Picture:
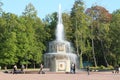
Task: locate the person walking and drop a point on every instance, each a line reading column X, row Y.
column 41, row 69
column 22, row 68
column 117, row 69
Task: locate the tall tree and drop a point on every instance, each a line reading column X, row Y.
column 30, row 11
column 29, row 16
column 36, row 35
column 100, row 21
column 67, row 26
column 8, row 39
column 50, row 22
column 115, row 40
column 80, row 28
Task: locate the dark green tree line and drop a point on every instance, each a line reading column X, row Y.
column 22, row 38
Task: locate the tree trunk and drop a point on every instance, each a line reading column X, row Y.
column 81, row 60
column 77, row 41
column 34, row 65
column 5, row 67
column 26, row 66
column 104, row 54
column 93, row 52
column 77, row 47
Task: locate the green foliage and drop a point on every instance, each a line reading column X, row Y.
column 101, row 68
column 115, row 40
column 50, row 22
column 67, row 26
column 24, row 39
column 100, row 26
column 30, row 11
column 8, row 39
column 80, row 28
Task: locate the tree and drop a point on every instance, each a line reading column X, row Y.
column 67, row 26
column 36, row 35
column 8, row 39
column 30, row 11
column 29, row 17
column 80, row 28
column 50, row 22
column 115, row 40
column 100, row 21
column 42, row 36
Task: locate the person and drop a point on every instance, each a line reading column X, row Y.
column 14, row 69
column 113, row 71
column 41, row 68
column 0, row 67
column 88, row 70
column 22, row 68
column 73, row 68
column 117, row 69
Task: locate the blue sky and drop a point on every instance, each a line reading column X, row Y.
column 45, row 7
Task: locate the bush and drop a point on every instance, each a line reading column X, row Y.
column 102, row 67
column 110, row 67
column 94, row 68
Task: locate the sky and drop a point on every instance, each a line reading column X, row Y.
column 45, row 7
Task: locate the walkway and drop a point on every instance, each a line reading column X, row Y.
column 53, row 76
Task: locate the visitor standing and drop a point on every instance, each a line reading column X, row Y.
column 0, row 67
column 73, row 68
column 119, row 69
column 14, row 69
column 88, row 70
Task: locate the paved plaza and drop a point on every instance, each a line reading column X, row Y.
column 61, row 76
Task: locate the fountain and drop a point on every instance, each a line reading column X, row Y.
column 60, row 54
